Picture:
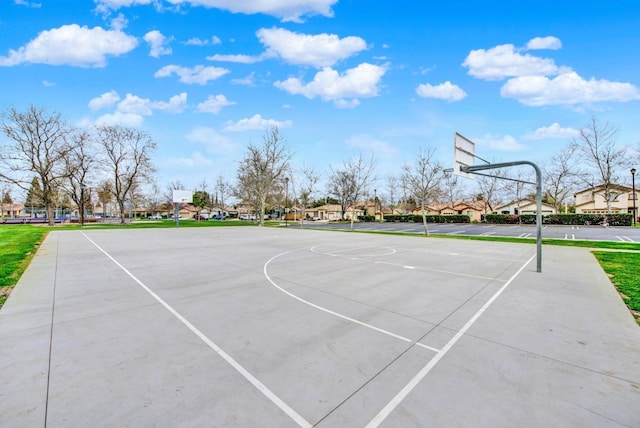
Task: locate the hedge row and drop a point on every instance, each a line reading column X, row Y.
column 568, row 219
column 410, row 218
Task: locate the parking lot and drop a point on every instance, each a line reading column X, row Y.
column 591, row 233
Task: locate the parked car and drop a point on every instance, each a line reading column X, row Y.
column 200, row 217
column 155, row 217
column 220, row 217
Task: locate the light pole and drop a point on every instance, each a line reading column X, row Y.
column 286, row 200
column 375, row 203
column 82, row 187
column 633, row 187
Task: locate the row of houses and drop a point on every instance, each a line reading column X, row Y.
column 588, row 201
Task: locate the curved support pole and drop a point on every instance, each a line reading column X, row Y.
column 474, row 168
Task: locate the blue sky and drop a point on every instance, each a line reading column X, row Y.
column 338, row 77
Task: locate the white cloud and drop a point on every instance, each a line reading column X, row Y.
column 256, row 122
column 194, row 41
column 211, row 140
column 176, row 104
column 565, row 89
column 119, row 23
column 445, row 91
column 504, row 143
column 135, row 105
column 552, row 131
column 198, row 74
column 242, row 59
column 158, row 43
column 213, row 104
column 105, row 100
column 246, row 81
column 321, row 50
column 197, row 160
column 28, row 4
column 47, row 84
column 132, row 109
column 548, row 42
column 120, row 118
column 367, row 143
column 360, row 82
column 106, row 5
column 504, row 61
column 72, row 45
column 286, row 10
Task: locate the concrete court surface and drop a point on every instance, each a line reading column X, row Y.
column 264, row 327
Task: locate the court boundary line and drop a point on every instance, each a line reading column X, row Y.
column 406, row 390
column 334, row 313
column 232, row 362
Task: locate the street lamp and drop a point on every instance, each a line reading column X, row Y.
column 82, row 187
column 286, row 200
column 375, row 203
column 633, row 187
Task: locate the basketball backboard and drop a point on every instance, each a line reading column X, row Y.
column 182, row 196
column 464, row 151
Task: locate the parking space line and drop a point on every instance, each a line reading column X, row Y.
column 524, row 235
column 566, row 236
column 233, row 363
column 625, row 239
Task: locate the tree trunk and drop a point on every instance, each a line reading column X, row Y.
column 424, row 221
column 122, row 212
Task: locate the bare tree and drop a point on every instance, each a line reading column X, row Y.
column 560, row 176
column 341, row 186
column 490, row 189
column 424, row 181
column 263, row 169
column 36, row 145
column 451, row 189
column 393, row 186
column 309, row 181
column 223, row 190
column 79, row 164
column 598, row 149
column 127, row 157
column 351, row 182
column 518, row 186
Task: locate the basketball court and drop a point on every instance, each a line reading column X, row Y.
column 265, row 327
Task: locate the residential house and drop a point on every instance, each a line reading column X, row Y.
column 12, row 210
column 524, row 206
column 474, row 209
column 592, row 200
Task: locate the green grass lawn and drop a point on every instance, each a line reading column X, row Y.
column 18, row 245
column 624, row 271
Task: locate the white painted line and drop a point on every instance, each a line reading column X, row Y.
column 569, row 236
column 386, row 411
column 233, row 363
column 487, row 233
column 625, row 239
column 406, row 267
column 313, row 250
column 524, row 235
column 329, row 311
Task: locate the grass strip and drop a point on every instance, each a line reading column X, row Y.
column 623, row 270
column 18, row 245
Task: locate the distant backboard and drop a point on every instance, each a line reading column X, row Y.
column 464, row 151
column 182, row 196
